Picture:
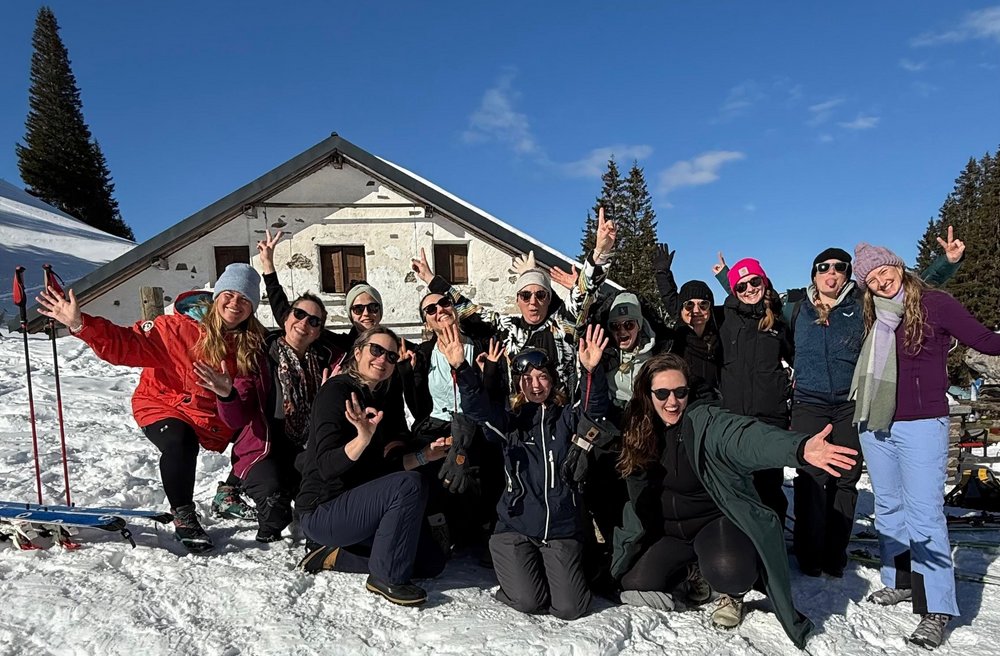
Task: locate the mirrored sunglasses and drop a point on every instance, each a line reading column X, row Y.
column 839, row 267
column 701, row 305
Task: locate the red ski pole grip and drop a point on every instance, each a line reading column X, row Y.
column 52, row 279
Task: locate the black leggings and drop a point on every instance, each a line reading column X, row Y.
column 726, row 556
column 179, row 448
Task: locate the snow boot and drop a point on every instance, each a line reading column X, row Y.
column 930, row 632
column 728, row 614
column 318, row 558
column 403, row 594
column 230, row 504
column 698, row 589
column 890, row 596
column 188, row 530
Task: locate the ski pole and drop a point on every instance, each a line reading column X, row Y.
column 21, row 300
column 52, row 281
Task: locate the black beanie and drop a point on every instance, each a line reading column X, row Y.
column 832, row 254
column 695, row 289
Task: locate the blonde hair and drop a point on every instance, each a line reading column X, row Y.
column 914, row 315
column 216, row 342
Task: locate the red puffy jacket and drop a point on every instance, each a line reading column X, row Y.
column 168, row 387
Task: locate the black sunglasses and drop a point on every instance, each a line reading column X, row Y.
column 756, row 281
column 431, row 308
column 525, row 361
column 701, row 305
column 301, row 314
column 839, row 267
column 540, row 295
column 378, row 351
column 359, row 309
column 680, row 393
column 628, row 324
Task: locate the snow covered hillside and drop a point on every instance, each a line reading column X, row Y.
column 247, row 598
column 33, row 233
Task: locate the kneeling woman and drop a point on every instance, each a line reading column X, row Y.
column 537, row 547
column 358, row 500
column 692, row 501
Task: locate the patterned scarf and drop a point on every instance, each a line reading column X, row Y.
column 874, row 383
column 299, row 380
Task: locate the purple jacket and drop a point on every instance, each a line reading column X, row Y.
column 244, row 409
column 923, row 377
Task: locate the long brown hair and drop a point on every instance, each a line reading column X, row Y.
column 216, row 342
column 914, row 316
column 351, row 361
column 639, row 447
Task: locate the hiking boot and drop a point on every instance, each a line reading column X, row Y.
column 649, row 599
column 930, row 632
column 728, row 614
column 697, row 588
column 230, row 504
column 318, row 558
column 890, row 596
column 404, row 594
column 267, row 535
column 188, row 530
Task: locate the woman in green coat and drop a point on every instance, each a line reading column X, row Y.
column 692, row 501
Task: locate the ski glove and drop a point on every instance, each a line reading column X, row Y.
column 592, row 437
column 457, row 473
column 663, row 257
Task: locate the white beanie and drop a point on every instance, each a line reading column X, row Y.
column 533, row 277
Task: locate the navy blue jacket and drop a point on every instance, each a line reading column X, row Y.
column 825, row 355
column 537, row 502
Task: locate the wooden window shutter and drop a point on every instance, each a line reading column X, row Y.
column 354, row 257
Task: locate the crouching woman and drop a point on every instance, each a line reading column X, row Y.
column 537, row 547
column 359, row 504
column 692, row 501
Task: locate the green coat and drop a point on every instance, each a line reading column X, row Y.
column 727, row 449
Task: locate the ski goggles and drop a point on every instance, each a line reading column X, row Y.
column 680, row 393
column 373, row 308
column 754, row 282
column 311, row 319
column 839, row 267
column 431, row 309
column 525, row 361
column 701, row 305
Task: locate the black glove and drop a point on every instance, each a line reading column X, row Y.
column 663, row 257
column 592, row 437
column 457, row 473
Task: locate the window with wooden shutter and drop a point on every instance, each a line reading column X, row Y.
column 226, row 255
column 451, row 262
column 341, row 267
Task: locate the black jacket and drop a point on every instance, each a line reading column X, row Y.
column 327, row 472
column 537, row 502
column 703, row 355
column 753, row 381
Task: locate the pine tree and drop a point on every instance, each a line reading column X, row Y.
column 612, row 199
column 638, row 243
column 60, row 162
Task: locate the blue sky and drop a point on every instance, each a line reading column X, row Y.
column 770, row 130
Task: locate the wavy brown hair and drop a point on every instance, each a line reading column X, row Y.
column 216, row 342
column 914, row 316
column 639, row 447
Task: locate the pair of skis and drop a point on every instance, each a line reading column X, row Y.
column 51, row 280
column 22, row 522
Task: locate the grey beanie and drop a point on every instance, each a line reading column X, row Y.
column 625, row 306
column 241, row 278
column 358, row 290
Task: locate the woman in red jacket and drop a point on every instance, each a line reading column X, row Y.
column 174, row 410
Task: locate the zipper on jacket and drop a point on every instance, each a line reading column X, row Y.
column 510, row 481
column 920, row 398
column 552, row 470
column 517, row 474
column 545, row 480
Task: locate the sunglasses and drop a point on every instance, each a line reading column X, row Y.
column 527, row 360
column 754, row 282
column 680, row 393
column 839, row 267
column 359, row 309
column 377, row 352
column 539, row 295
column 628, row 324
column 301, row 314
column 431, row 308
column 701, row 305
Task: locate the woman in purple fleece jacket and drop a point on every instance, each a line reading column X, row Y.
column 902, row 415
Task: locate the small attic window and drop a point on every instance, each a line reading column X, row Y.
column 451, row 262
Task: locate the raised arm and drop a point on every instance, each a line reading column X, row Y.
column 947, row 264
column 276, row 297
column 721, row 272
column 666, row 285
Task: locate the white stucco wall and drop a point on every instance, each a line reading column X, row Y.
column 358, row 210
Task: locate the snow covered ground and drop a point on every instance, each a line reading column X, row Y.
column 247, row 598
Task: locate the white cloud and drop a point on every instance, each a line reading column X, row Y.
column 980, row 24
column 702, row 170
column 596, row 163
column 912, row 66
column 862, row 122
column 821, row 112
column 742, row 97
column 496, row 119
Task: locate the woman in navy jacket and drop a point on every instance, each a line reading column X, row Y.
column 538, row 544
